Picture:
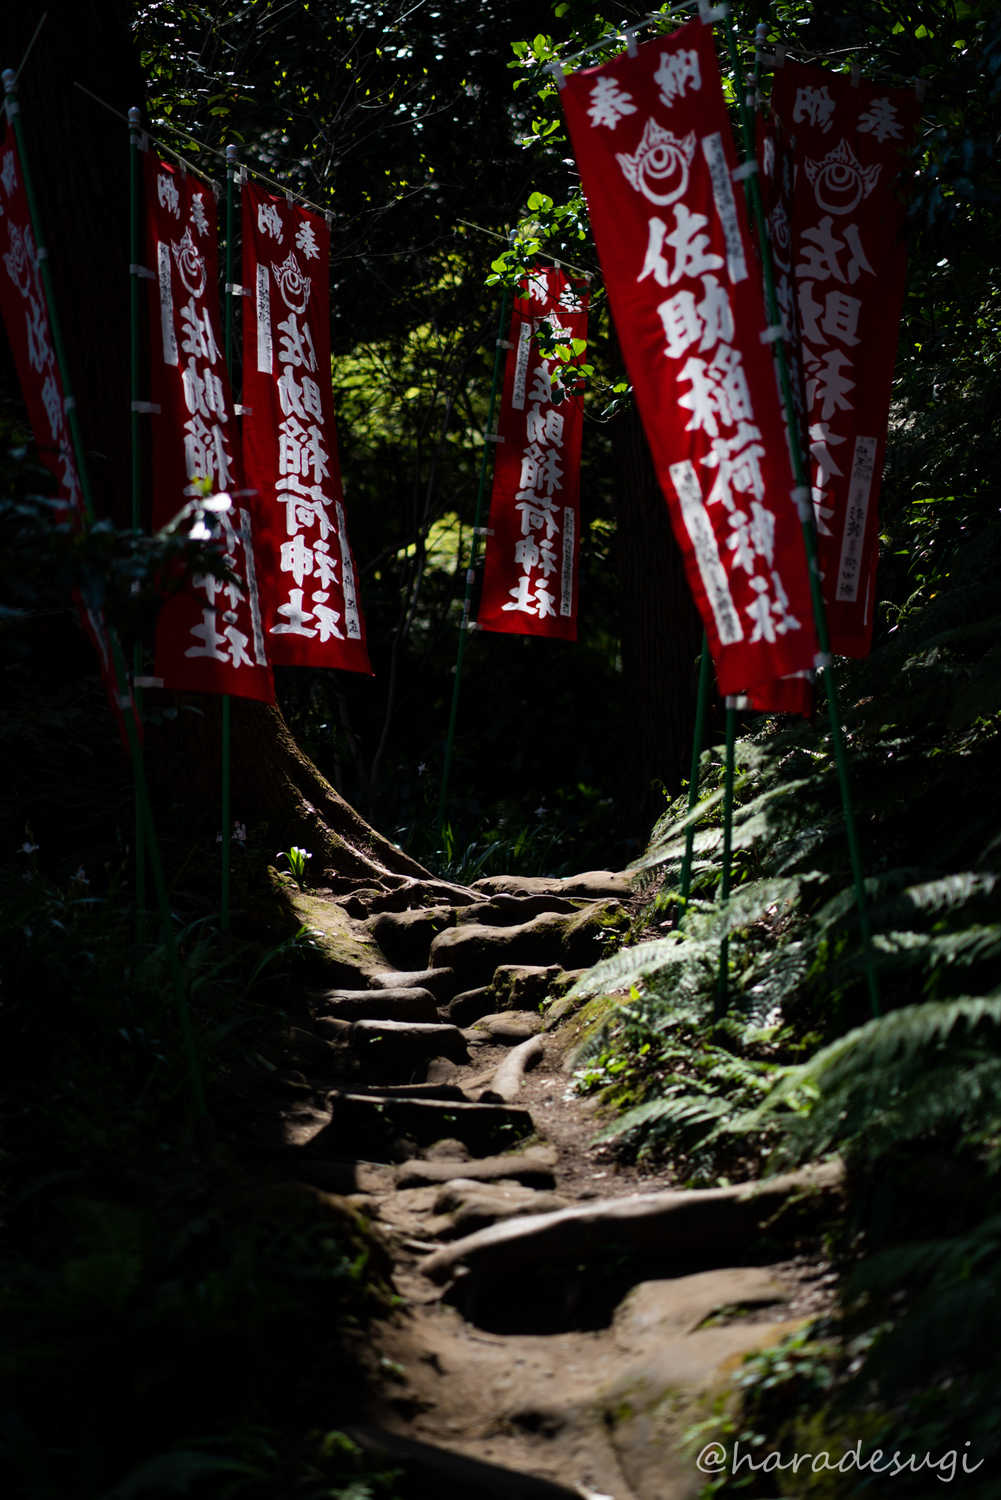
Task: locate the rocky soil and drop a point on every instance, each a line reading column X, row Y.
column 562, row 1319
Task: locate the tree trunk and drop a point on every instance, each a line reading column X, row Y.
column 660, row 631
column 79, row 155
column 273, row 782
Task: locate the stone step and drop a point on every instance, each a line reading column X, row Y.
column 405, row 937
column 375, row 1125
column 440, row 982
column 475, row 952
column 399, row 1051
column 376, row 1005
column 592, row 885
column 533, row 1167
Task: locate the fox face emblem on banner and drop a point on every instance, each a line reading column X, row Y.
column 209, row 636
column 653, row 143
column 832, row 166
column 530, row 572
column 308, row 580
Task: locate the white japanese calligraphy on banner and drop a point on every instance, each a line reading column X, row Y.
column 832, row 162
column 529, row 584
column 656, row 157
column 308, row 580
column 209, row 637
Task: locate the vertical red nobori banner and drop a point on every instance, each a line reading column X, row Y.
column 657, row 161
column 26, row 319
column 530, row 573
column 209, row 636
column 308, row 580
column 842, row 148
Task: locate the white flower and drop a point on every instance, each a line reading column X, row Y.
column 28, row 848
column 80, row 878
column 240, row 832
column 421, row 769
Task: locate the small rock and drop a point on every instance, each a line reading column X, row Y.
column 511, row 1026
column 470, row 1005
column 592, row 885
column 441, row 1070
column 522, row 986
column 446, row 1150
column 657, row 1310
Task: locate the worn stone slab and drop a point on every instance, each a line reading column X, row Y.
column 655, row 1311
column 510, row 1026
column 649, row 1406
column 711, row 1221
column 377, row 1005
column 504, row 910
column 468, row 1007
column 405, row 937
column 377, row 1124
column 533, row 1167
column 523, row 986
column 590, row 886
column 572, row 941
column 438, row 982
column 374, row 1040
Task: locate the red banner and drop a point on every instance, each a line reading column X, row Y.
column 209, row 637
column 832, row 169
column 530, row 573
column 656, row 156
column 26, row 319
column 308, row 580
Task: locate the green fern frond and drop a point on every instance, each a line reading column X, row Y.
column 677, row 1113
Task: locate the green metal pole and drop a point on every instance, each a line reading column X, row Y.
column 231, row 170
column 701, row 703
column 802, row 495
column 202, row 1122
column 137, row 649
column 720, row 1005
column 471, row 570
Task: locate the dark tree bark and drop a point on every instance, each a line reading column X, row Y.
column 79, row 156
column 660, row 630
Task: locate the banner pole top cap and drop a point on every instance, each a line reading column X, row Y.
column 231, row 152
column 9, row 79
column 134, row 117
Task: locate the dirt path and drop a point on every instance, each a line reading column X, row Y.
column 556, row 1366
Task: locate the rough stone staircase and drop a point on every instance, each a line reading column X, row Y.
column 554, row 1341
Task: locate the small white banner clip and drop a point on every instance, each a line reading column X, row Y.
column 483, row 531
column 821, row 660
column 147, row 682
column 802, row 500
column 856, row 75
column 149, row 407
column 69, row 404
column 328, row 218
column 746, row 169
column 630, row 39
column 40, row 254
column 471, row 625
column 243, row 175
column 243, row 411
column 504, row 344
column 236, row 290
column 769, row 335
column 142, row 272
column 738, row 701
column 780, row 54
column 492, row 437
column 920, row 89
column 709, row 13
column 288, row 198
column 559, row 76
